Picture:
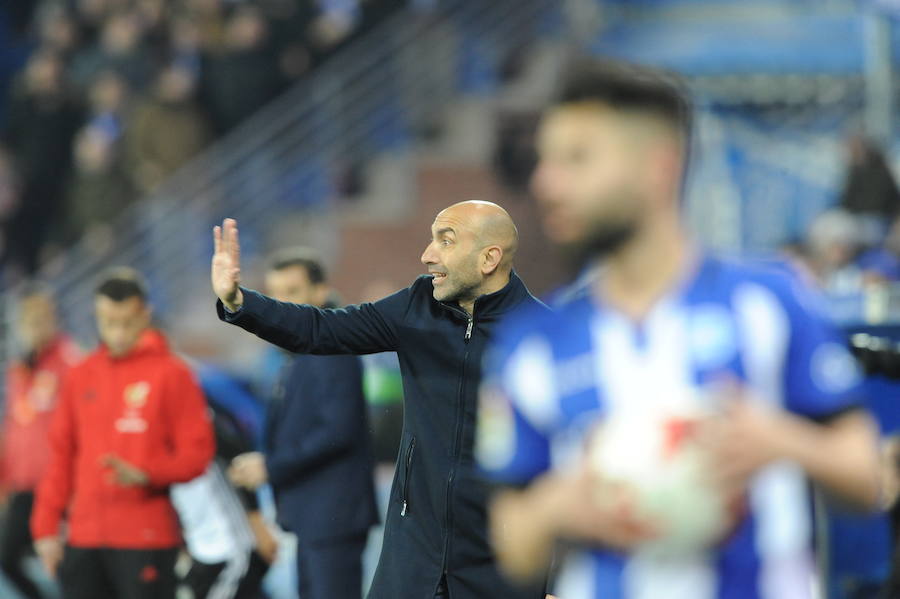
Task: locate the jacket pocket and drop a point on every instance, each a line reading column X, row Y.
column 407, row 474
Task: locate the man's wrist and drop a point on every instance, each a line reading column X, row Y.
column 235, row 303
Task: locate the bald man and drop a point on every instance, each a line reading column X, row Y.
column 435, row 539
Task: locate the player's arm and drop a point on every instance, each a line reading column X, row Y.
column 55, row 490
column 841, row 454
column 367, row 328
column 821, row 425
column 527, row 524
column 191, row 433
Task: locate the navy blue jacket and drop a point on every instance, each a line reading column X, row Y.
column 436, row 520
column 318, row 450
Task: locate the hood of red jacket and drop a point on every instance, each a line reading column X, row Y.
column 151, row 342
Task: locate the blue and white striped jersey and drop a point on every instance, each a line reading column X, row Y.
column 551, row 377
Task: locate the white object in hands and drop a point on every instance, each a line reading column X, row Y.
column 653, row 465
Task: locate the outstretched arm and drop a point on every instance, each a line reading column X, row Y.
column 366, row 328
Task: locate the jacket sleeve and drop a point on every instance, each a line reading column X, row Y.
column 361, row 329
column 339, row 408
column 191, row 444
column 55, row 489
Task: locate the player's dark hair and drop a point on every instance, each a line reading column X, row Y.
column 122, row 283
column 629, row 88
column 299, row 256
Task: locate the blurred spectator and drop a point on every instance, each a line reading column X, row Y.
column 99, row 189
column 869, row 188
column 57, row 30
column 97, row 54
column 185, row 49
column 834, row 240
column 333, row 25
column 167, row 129
column 42, row 121
column 289, row 21
column 152, row 16
column 107, row 102
column 119, row 49
column 318, row 456
column 882, row 263
column 32, row 385
column 240, row 80
column 131, row 422
column 209, row 15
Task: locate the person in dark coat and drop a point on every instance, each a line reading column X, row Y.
column 435, row 539
column 41, row 123
column 317, row 451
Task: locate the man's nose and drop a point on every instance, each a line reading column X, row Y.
column 428, row 256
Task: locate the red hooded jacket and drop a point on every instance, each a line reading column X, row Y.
column 32, row 391
column 146, row 408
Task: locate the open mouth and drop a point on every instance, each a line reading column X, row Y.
column 438, row 277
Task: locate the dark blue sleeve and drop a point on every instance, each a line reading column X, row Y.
column 821, row 377
column 331, row 395
column 360, row 329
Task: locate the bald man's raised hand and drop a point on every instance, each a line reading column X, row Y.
column 226, row 265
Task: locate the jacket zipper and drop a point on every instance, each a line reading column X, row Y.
column 409, row 458
column 457, row 441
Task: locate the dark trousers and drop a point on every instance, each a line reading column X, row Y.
column 201, row 579
column 104, row 573
column 331, row 568
column 15, row 543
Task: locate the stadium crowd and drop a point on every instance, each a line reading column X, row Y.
column 112, row 96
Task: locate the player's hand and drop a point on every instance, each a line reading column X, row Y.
column 589, row 509
column 248, row 470
column 226, row 264
column 50, row 551
column 266, row 543
column 123, row 473
column 743, row 439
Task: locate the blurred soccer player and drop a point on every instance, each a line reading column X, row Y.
column 32, row 386
column 435, row 540
column 660, row 323
column 131, row 422
column 318, row 454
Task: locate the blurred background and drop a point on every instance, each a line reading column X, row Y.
column 129, row 127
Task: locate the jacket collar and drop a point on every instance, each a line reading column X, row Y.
column 494, row 305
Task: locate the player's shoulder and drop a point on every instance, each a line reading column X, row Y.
column 779, row 278
column 536, row 322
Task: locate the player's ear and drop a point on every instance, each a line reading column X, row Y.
column 490, row 259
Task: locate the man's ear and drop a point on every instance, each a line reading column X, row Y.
column 491, row 259
column 320, row 294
